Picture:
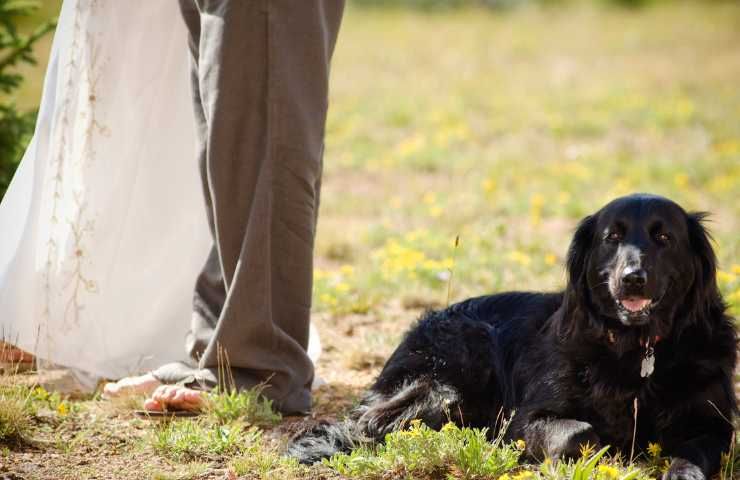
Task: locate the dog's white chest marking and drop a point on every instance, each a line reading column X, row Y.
column 648, row 363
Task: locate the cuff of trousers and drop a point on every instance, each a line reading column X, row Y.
column 178, row 373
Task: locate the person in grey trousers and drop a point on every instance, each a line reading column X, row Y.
column 260, row 74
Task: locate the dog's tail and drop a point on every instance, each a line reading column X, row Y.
column 377, row 415
column 325, row 440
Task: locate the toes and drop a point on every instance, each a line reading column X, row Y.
column 164, row 393
column 178, row 398
column 189, row 399
column 193, row 396
column 180, row 395
column 152, row 405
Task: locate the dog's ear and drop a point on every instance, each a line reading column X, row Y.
column 580, row 250
column 573, row 314
column 705, row 261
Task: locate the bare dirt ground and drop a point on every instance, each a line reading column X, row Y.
column 107, row 440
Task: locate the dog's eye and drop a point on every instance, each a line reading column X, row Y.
column 663, row 237
column 614, row 237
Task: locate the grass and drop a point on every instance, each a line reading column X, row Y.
column 464, row 453
column 200, row 439
column 21, row 406
column 266, row 463
column 227, row 427
column 500, row 128
column 421, row 452
column 14, row 418
column 249, row 406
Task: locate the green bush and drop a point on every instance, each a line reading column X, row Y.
column 16, row 127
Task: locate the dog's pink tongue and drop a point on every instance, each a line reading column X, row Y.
column 635, row 304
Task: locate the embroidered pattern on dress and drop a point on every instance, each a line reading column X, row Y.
column 72, row 223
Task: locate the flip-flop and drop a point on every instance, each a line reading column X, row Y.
column 166, row 413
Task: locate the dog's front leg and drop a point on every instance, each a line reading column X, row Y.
column 557, row 437
column 696, row 440
column 698, row 458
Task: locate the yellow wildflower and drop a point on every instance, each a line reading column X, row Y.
column 654, row 449
column 489, row 185
column 728, row 147
column 62, row 409
column 537, row 200
column 734, row 297
column 608, row 471
column 681, row 180
column 721, row 183
column 40, row 393
column 342, row 287
column 449, row 427
column 587, row 450
column 328, row 299
column 505, row 476
column 523, row 475
column 347, row 270
column 520, row 444
column 520, row 257
column 550, row 259
column 410, row 146
column 535, row 208
column 725, row 277
column 563, row 197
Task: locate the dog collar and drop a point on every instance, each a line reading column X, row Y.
column 612, row 337
column 647, row 366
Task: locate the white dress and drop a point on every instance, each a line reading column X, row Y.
column 103, row 226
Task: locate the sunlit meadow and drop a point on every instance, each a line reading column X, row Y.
column 503, row 130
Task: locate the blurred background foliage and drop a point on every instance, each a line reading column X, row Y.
column 505, row 4
column 17, row 45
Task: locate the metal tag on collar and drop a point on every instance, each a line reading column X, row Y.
column 648, row 362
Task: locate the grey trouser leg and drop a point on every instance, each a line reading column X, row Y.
column 260, row 86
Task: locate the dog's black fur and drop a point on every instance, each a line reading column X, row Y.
column 641, row 274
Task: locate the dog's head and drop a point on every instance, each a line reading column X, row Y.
column 639, row 261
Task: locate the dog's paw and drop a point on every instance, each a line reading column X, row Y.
column 564, row 438
column 681, row 469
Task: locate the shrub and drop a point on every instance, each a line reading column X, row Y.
column 16, row 127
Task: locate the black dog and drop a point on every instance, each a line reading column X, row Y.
column 641, row 324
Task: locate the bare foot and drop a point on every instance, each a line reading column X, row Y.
column 141, row 385
column 175, row 397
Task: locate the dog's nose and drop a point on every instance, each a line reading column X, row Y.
column 634, row 277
